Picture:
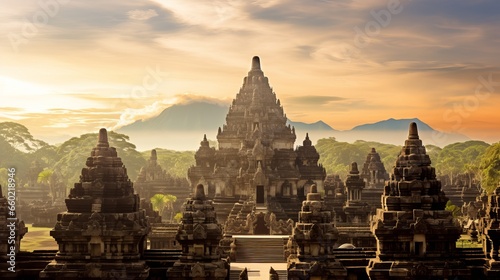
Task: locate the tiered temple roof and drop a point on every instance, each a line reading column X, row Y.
column 416, row 236
column 102, row 235
column 255, row 157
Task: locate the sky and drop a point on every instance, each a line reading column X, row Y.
column 70, row 67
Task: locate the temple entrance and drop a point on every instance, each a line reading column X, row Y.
column 260, row 194
column 260, row 227
column 300, row 192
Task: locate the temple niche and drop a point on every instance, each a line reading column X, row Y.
column 255, row 158
column 416, row 236
column 102, row 235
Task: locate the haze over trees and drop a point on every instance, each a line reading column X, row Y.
column 18, row 148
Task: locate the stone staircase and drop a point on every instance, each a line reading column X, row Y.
column 257, row 271
column 291, row 206
column 223, row 206
column 258, row 253
column 260, row 248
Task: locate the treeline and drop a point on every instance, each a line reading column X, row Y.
column 20, row 150
column 475, row 159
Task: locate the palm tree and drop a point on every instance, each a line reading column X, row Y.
column 171, row 199
column 159, row 202
column 47, row 177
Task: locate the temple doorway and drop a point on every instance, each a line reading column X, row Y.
column 260, row 227
column 260, row 194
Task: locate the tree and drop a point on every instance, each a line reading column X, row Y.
column 455, row 210
column 4, row 177
column 171, row 199
column 178, row 217
column 47, row 177
column 460, row 158
column 490, row 166
column 73, row 154
column 162, row 202
column 159, row 202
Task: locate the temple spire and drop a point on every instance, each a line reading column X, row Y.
column 413, row 131
column 154, row 155
column 200, row 192
column 354, row 168
column 256, row 63
column 103, row 138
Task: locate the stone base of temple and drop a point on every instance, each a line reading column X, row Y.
column 186, row 270
column 320, row 270
column 101, row 270
column 418, row 270
column 493, row 269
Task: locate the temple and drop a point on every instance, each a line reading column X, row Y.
column 415, row 235
column 103, row 232
column 255, row 158
column 199, row 235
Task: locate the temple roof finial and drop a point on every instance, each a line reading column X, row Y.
column 154, row 155
column 200, row 192
column 205, row 137
column 103, row 138
column 354, row 168
column 413, row 131
column 314, row 188
column 256, row 63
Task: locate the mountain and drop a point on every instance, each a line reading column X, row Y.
column 182, row 126
column 319, row 125
column 393, row 124
column 19, row 137
column 395, row 131
column 182, row 117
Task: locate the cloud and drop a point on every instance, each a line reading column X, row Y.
column 130, row 115
column 142, row 14
column 315, row 100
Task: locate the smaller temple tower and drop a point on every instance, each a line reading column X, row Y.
column 311, row 244
column 356, row 211
column 103, row 233
column 199, row 235
column 373, row 172
column 416, row 236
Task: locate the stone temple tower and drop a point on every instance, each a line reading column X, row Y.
column 255, row 157
column 415, row 235
column 102, row 235
column 199, row 234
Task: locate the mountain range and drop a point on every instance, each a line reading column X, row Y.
column 182, row 126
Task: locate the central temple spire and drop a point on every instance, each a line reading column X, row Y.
column 256, row 63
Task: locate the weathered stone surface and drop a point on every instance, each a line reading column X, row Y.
column 103, row 233
column 415, row 236
column 255, row 157
column 199, row 235
column 310, row 248
column 490, row 229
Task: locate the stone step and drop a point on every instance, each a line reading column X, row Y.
column 258, row 271
column 260, row 250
